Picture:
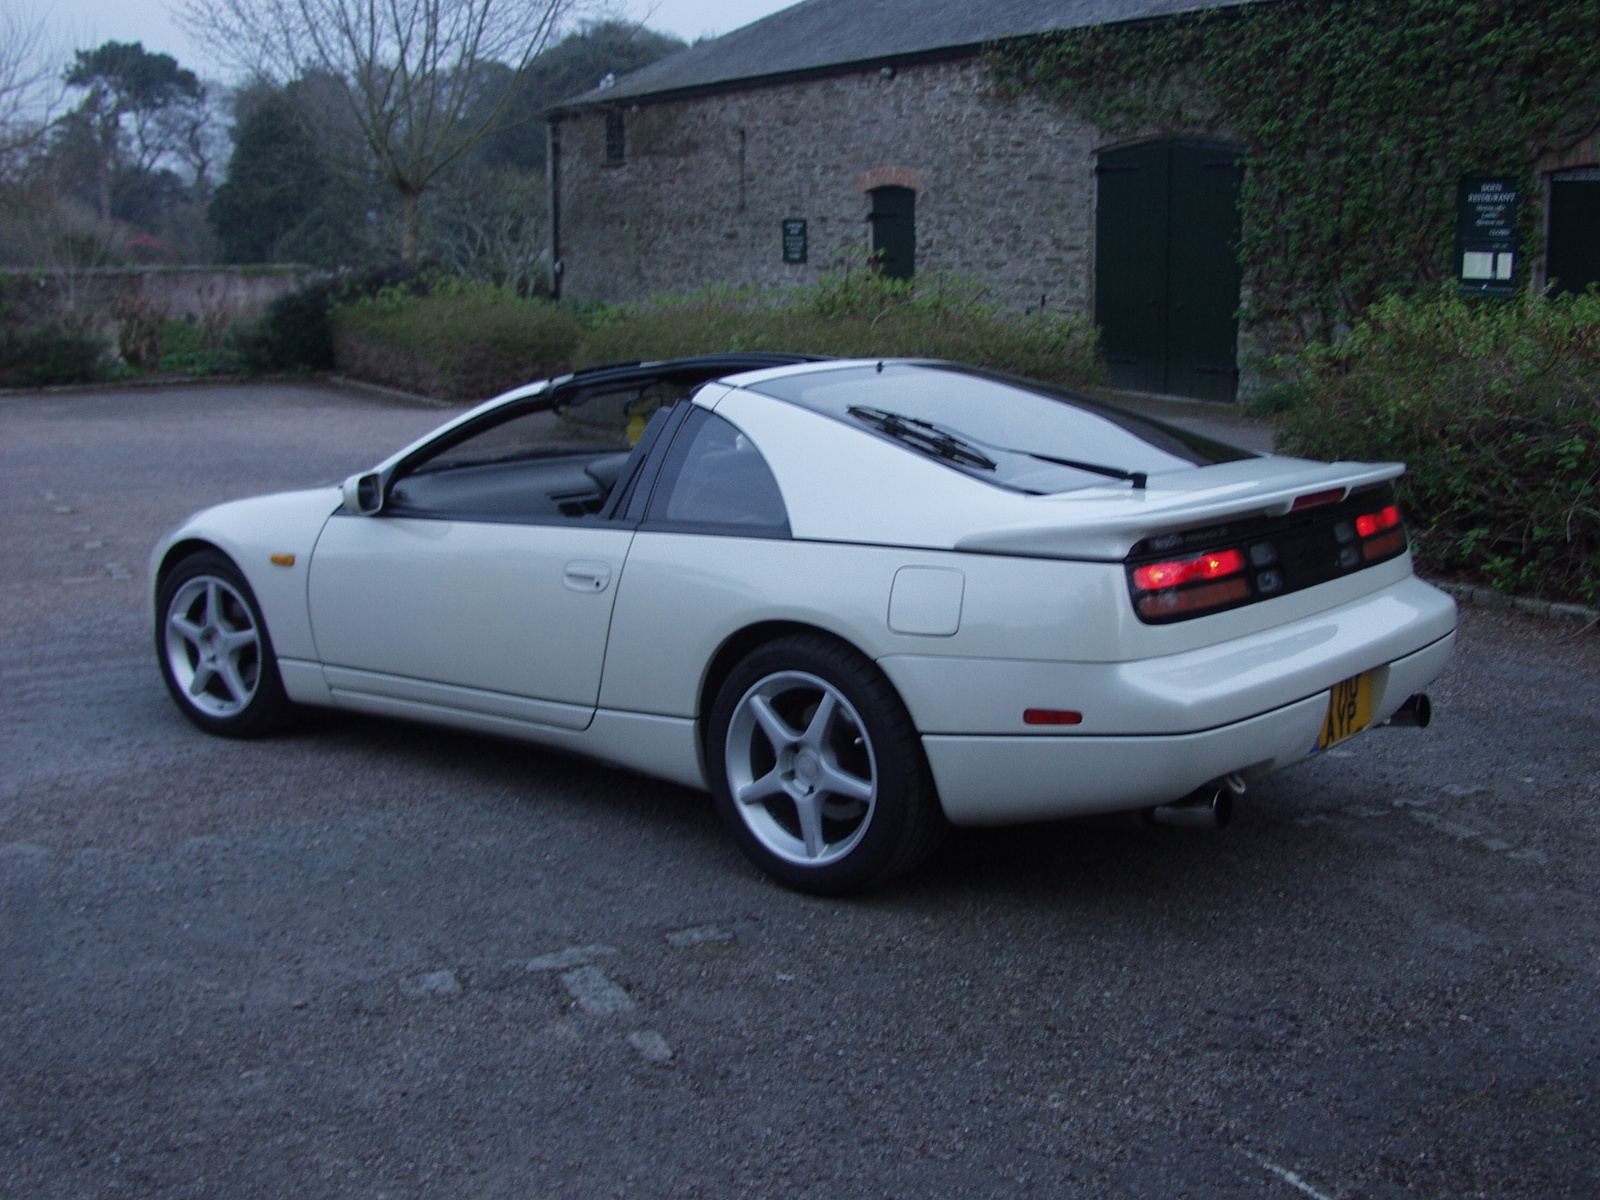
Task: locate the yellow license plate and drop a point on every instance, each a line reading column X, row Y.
column 1349, row 710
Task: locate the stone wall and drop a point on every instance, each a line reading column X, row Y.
column 214, row 294
column 1005, row 188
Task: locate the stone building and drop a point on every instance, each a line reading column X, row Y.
column 837, row 128
column 834, row 128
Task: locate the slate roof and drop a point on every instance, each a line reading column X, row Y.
column 816, row 36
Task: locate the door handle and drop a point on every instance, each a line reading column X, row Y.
column 586, row 576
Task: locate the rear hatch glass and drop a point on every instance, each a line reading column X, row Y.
column 1013, row 432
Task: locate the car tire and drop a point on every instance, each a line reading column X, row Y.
column 215, row 653
column 817, row 769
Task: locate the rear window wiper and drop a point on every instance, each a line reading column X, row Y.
column 1137, row 478
column 948, row 445
column 924, row 436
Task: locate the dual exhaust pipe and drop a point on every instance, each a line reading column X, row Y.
column 1210, row 806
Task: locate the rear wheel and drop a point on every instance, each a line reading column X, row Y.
column 818, row 770
column 215, row 654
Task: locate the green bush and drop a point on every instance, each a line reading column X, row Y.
column 44, row 355
column 1495, row 408
column 294, row 334
column 854, row 315
column 460, row 341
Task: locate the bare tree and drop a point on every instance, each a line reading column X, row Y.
column 30, row 89
column 422, row 81
column 491, row 224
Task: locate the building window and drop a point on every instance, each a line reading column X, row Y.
column 616, row 138
column 894, row 231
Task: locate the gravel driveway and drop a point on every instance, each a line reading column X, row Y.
column 371, row 960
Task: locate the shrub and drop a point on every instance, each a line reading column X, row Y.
column 855, row 314
column 292, row 335
column 1495, row 407
column 43, row 355
column 459, row 341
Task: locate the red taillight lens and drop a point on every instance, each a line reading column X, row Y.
column 1384, row 518
column 1210, row 595
column 1188, row 570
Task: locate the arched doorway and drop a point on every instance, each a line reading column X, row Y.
column 1167, row 268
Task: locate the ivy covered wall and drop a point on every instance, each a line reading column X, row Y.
column 1359, row 117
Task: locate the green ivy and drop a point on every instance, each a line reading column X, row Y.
column 1358, row 116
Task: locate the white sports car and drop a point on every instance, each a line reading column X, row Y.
column 854, row 600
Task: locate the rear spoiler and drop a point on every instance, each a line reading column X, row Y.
column 1103, row 524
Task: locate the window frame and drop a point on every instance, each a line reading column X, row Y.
column 669, row 469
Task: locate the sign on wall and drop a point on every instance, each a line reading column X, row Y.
column 1487, row 246
column 794, row 241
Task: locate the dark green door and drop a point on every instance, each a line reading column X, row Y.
column 1166, row 267
column 1572, row 255
column 894, row 230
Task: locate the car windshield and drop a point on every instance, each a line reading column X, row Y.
column 1014, row 432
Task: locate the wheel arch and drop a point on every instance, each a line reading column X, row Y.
column 180, row 550
column 741, row 643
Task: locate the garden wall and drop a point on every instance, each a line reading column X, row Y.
column 95, row 295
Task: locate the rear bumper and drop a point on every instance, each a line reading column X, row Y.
column 990, row 780
column 1186, row 692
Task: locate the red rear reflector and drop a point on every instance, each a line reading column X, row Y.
column 1051, row 716
column 1387, row 544
column 1170, row 604
column 1312, row 499
column 1384, row 518
column 1188, row 570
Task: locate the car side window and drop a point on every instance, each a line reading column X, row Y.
column 544, row 463
column 714, row 480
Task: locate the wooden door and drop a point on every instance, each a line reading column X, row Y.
column 1166, row 267
column 1572, row 254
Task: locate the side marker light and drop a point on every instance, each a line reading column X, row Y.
column 283, row 560
column 1051, row 716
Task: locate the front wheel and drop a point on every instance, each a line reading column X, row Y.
column 818, row 770
column 215, row 654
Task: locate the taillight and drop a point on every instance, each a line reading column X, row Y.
column 1190, row 585
column 1371, row 523
column 1380, row 533
column 1188, row 570
column 1325, row 535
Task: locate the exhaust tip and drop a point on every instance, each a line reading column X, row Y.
column 1207, row 807
column 1415, row 713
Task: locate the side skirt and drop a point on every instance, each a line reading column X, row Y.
column 662, row 747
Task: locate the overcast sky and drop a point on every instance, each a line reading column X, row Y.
column 85, row 23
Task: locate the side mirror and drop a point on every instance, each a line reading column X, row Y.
column 363, row 493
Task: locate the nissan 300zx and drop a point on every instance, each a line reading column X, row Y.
column 857, row 601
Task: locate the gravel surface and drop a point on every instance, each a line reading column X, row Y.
column 367, row 959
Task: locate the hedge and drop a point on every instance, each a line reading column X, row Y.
column 854, row 315
column 462, row 343
column 1495, row 408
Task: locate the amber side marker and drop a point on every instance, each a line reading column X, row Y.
column 283, row 560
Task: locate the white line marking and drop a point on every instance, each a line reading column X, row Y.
column 1283, row 1173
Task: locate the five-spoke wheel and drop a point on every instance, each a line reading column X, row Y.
column 817, row 768
column 214, row 650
